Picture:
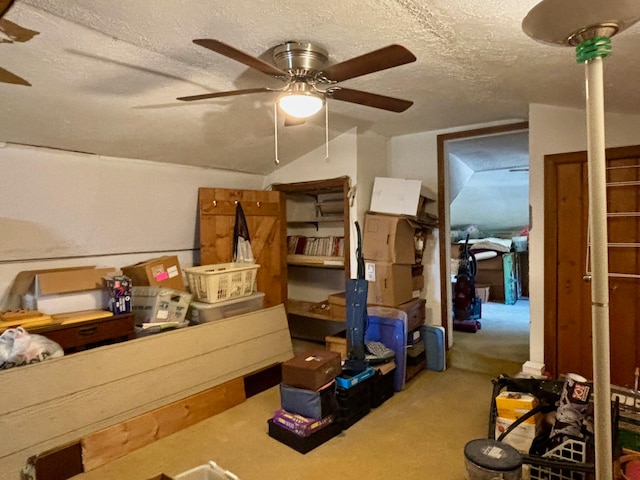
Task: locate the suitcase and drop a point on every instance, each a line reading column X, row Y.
column 311, row 369
column 434, row 345
column 316, row 404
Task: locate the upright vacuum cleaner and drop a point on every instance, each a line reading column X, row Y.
column 467, row 307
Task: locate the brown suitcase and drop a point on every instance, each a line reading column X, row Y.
column 311, row 369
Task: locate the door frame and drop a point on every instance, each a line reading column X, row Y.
column 444, row 226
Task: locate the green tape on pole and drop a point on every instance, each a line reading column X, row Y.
column 593, row 48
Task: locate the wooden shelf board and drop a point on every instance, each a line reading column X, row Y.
column 316, row 261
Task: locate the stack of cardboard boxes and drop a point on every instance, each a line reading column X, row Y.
column 394, row 236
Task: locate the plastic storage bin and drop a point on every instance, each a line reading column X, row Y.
column 391, row 332
column 210, row 471
column 222, row 281
column 201, row 312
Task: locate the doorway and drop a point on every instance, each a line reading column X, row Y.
column 483, row 194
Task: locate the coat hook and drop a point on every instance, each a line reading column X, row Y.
column 215, row 203
column 258, row 204
column 235, row 202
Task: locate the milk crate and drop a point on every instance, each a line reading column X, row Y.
column 222, row 281
column 571, row 453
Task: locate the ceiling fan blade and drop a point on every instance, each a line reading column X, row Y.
column 232, row 93
column 370, row 99
column 7, row 77
column 4, row 6
column 387, row 57
column 239, row 56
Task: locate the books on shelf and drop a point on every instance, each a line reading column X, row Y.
column 315, row 246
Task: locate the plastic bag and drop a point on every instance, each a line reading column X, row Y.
column 18, row 347
column 242, row 252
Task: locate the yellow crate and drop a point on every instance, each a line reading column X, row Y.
column 222, row 281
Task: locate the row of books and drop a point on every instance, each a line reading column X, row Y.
column 316, row 246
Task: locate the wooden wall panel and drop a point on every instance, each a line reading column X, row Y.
column 45, row 405
column 266, row 219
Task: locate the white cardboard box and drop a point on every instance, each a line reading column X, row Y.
column 399, row 196
column 519, row 438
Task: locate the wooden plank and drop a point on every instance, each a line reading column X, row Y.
column 116, row 441
column 58, row 463
column 56, row 378
column 123, row 380
column 135, row 395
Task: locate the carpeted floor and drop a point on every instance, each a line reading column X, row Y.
column 419, row 433
column 500, row 346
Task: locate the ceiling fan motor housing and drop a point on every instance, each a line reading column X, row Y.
column 300, row 59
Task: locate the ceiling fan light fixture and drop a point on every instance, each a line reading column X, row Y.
column 300, row 105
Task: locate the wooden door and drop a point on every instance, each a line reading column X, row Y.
column 265, row 214
column 567, row 295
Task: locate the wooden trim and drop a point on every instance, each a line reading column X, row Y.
column 315, row 187
column 118, row 440
column 59, row 463
column 444, row 203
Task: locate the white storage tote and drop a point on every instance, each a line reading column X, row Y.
column 222, row 281
column 210, row 471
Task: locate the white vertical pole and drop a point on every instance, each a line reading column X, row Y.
column 599, row 267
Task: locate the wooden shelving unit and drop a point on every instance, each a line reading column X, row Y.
column 317, row 211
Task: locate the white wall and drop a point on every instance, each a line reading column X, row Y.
column 60, row 209
column 558, row 130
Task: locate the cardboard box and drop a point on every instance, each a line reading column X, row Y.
column 337, row 343
column 162, row 272
column 482, row 292
column 338, row 306
column 390, row 284
column 513, row 405
column 520, row 437
column 389, row 238
column 311, row 369
column 399, row 196
column 158, row 305
column 61, row 290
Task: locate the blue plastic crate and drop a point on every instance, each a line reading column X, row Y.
column 352, row 380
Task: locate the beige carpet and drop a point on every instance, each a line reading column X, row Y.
column 419, row 433
column 500, row 346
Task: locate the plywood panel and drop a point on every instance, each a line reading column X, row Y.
column 106, row 386
column 265, row 215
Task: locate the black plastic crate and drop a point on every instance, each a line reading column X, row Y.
column 354, row 403
column 303, row 444
column 382, row 387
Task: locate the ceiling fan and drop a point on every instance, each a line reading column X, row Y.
column 10, row 33
column 308, row 81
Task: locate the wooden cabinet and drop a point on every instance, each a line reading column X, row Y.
column 318, row 251
column 74, row 337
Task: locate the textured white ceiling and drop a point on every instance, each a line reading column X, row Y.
column 105, row 75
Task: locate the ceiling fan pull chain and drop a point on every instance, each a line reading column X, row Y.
column 326, row 130
column 275, row 131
